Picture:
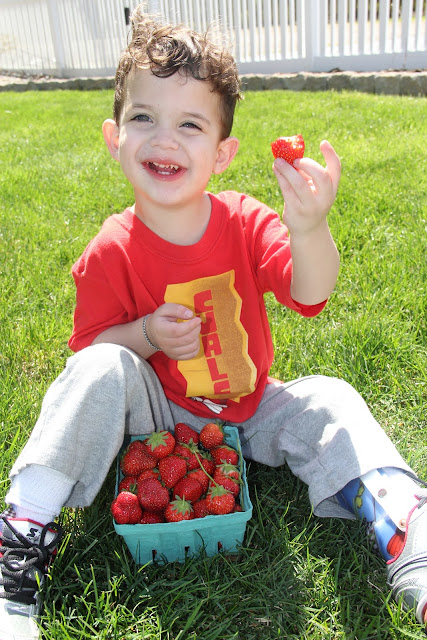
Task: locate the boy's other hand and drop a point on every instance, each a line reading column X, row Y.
column 309, row 190
column 175, row 330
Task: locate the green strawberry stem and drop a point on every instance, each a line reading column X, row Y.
column 214, row 481
column 204, row 470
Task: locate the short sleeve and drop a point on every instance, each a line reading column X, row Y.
column 105, row 287
column 267, row 239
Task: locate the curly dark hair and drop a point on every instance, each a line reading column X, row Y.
column 167, row 49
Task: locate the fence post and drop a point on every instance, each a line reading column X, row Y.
column 237, row 29
column 342, row 23
column 55, row 29
column 384, row 14
column 153, row 6
column 406, row 25
column 312, row 31
column 362, row 18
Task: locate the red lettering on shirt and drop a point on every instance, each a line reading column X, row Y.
column 200, row 302
column 222, row 387
column 211, row 345
column 213, row 370
column 203, row 307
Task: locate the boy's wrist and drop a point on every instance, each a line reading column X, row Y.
column 144, row 331
column 302, row 235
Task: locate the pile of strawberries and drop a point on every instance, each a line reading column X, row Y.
column 173, row 477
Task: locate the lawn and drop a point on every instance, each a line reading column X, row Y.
column 296, row 576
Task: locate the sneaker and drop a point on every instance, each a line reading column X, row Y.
column 26, row 551
column 407, row 573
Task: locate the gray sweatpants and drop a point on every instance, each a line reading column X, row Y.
column 319, row 426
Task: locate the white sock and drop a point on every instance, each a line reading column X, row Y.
column 394, row 491
column 38, row 493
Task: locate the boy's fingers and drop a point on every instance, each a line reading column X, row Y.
column 187, row 355
column 333, row 163
column 318, row 176
column 288, row 179
column 175, row 311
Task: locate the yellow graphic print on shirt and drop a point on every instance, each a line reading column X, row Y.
column 223, row 368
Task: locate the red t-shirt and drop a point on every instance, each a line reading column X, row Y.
column 127, row 271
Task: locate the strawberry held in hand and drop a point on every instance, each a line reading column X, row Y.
column 289, row 148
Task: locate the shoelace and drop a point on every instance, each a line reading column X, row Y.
column 19, row 555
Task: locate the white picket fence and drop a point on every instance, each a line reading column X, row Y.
column 69, row 38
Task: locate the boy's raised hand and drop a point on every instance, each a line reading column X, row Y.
column 178, row 340
column 308, row 189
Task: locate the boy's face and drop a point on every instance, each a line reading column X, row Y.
column 168, row 139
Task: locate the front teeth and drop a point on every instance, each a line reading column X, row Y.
column 166, row 168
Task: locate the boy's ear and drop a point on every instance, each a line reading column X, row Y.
column 227, row 149
column 110, row 131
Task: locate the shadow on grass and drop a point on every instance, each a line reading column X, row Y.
column 295, row 576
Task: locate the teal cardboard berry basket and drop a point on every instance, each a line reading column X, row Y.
column 177, row 541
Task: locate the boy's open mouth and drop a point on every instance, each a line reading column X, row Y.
column 163, row 169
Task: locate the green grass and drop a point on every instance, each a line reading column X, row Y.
column 296, row 576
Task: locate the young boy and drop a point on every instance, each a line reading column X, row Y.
column 170, row 326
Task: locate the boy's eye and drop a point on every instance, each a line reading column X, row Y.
column 141, row 117
column 191, row 125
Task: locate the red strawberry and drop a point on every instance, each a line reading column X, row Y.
column 185, row 434
column 180, row 450
column 128, row 484
column 224, row 453
column 212, row 435
column 126, row 508
column 228, row 483
column 160, row 444
column 237, row 508
column 136, row 459
column 201, row 476
column 151, row 517
column 178, row 510
column 229, row 470
column 188, row 488
column 289, row 148
column 148, row 473
column 137, row 445
column 207, row 463
column 219, row 501
column 171, row 469
column 200, row 509
column 152, row 495
column 190, row 452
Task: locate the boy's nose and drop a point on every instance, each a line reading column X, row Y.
column 164, row 138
